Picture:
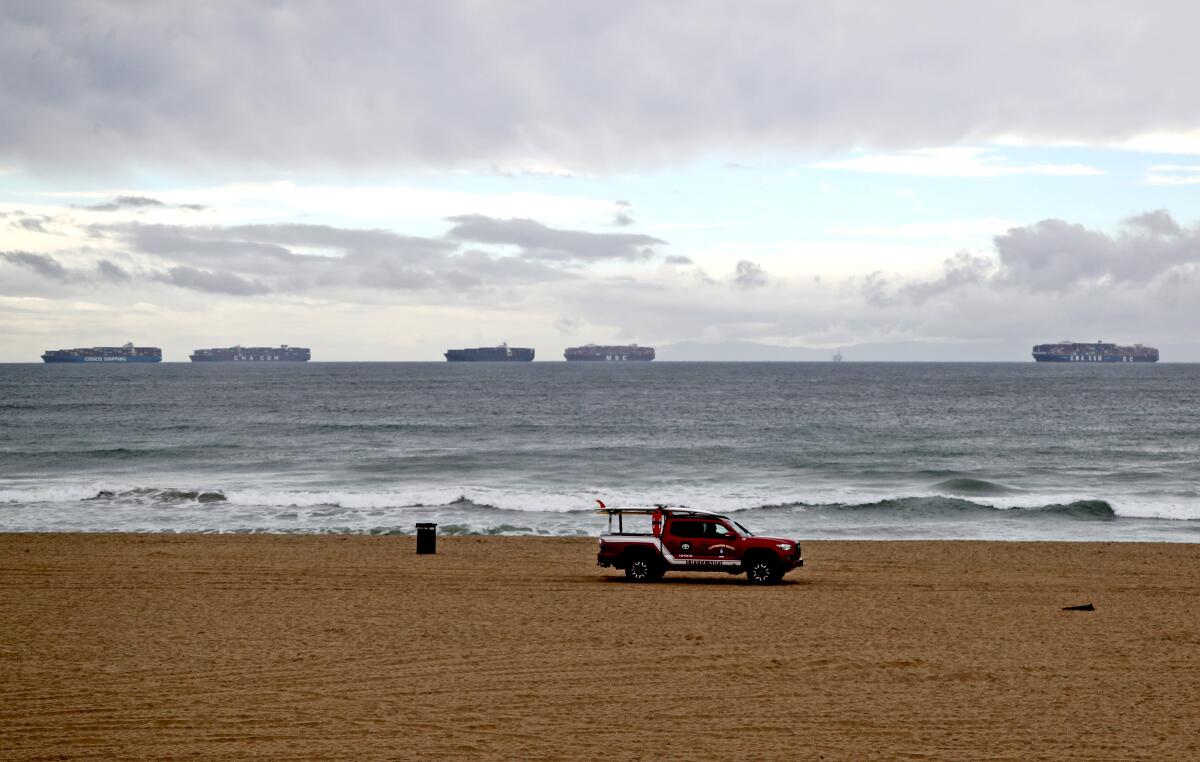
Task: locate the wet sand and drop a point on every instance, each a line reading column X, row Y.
column 332, row 647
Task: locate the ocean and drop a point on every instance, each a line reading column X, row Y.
column 814, row 450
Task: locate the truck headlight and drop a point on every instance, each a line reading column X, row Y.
column 783, row 546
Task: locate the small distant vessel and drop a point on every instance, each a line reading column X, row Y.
column 596, row 352
column 238, row 353
column 125, row 353
column 1070, row 351
column 837, row 356
column 502, row 353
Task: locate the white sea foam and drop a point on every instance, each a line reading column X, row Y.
column 55, row 493
column 831, row 511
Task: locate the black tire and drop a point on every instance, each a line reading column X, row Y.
column 762, row 570
column 643, row 567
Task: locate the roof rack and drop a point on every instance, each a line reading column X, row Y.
column 674, row 510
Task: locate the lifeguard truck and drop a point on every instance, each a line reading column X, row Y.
column 648, row 542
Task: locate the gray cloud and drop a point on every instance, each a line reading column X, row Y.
column 622, row 217
column 1138, row 283
column 749, row 275
column 112, row 272
column 124, row 202
column 567, row 326
column 462, row 83
column 1057, row 256
column 874, row 289
column 42, row 264
column 211, row 282
column 137, row 202
column 32, row 224
column 276, row 249
column 960, row 270
column 537, row 241
column 476, row 268
column 244, row 260
column 677, row 259
column 1054, row 255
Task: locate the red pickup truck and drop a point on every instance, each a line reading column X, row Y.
column 648, row 542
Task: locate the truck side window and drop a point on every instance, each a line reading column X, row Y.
column 686, row 528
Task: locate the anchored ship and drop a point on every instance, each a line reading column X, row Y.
column 1070, row 351
column 282, row 353
column 126, row 353
column 602, row 353
column 502, row 353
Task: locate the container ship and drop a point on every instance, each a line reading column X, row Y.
column 1070, row 351
column 502, row 353
column 126, row 353
column 595, row 352
column 282, row 353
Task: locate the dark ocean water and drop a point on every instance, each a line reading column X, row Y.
column 848, row 450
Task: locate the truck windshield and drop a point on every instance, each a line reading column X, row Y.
column 743, row 529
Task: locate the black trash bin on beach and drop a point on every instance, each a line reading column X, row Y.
column 426, row 538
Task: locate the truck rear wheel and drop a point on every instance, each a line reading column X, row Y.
column 643, row 567
column 761, row 570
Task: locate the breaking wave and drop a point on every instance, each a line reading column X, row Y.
column 942, row 507
column 487, row 511
column 968, row 486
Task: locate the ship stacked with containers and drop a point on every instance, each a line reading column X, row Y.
column 238, row 353
column 1071, row 351
column 598, row 353
column 502, row 353
column 125, row 353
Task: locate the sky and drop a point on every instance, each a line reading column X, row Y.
column 383, row 181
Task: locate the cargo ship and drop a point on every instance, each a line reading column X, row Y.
column 1070, row 351
column 596, row 352
column 126, row 353
column 282, row 353
column 502, row 353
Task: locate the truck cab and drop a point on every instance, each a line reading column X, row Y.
column 648, row 542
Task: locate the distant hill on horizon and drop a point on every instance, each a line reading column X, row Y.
column 909, row 351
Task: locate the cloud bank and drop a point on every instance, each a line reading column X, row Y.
column 370, row 85
column 1045, row 281
column 476, row 252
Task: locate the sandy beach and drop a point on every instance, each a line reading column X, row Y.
column 353, row 647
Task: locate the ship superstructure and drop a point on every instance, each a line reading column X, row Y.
column 1071, row 351
column 126, row 353
column 596, row 352
column 502, row 353
column 282, row 353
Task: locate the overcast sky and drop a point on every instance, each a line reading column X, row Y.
column 382, row 181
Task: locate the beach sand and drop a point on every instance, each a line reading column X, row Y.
column 353, row 647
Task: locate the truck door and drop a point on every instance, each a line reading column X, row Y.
column 719, row 542
column 681, row 538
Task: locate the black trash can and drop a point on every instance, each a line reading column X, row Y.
column 426, row 538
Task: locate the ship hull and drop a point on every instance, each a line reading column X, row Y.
column 84, row 359
column 1093, row 352
column 252, row 354
column 490, row 354
column 609, row 359
column 1092, row 358
column 599, row 353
